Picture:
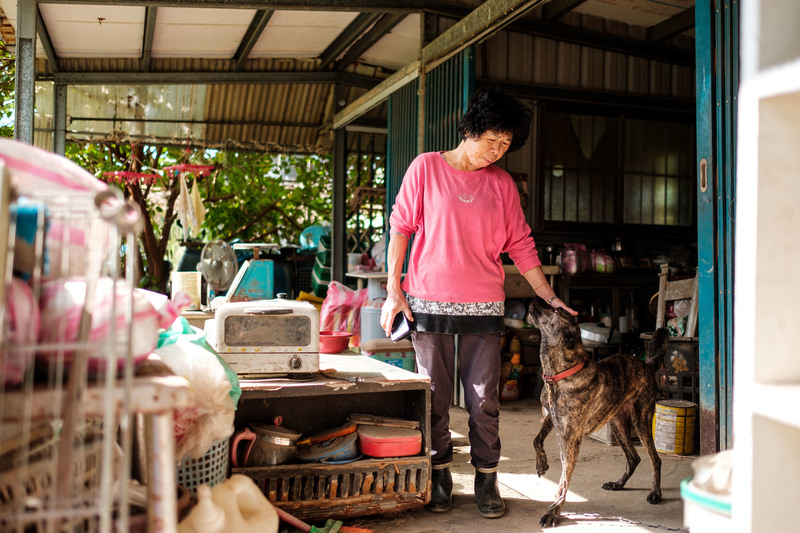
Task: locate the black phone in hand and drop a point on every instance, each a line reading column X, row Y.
column 401, row 327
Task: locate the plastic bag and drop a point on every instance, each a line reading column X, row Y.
column 574, row 258
column 61, row 305
column 341, row 310
column 211, row 417
column 183, row 331
column 714, row 473
column 602, row 262
column 24, row 325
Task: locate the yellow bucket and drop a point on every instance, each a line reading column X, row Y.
column 673, row 426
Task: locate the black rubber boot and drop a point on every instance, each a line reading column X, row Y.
column 441, row 491
column 487, row 494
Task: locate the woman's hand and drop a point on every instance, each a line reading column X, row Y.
column 557, row 302
column 395, row 303
column 542, row 289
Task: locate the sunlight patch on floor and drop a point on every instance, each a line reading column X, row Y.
column 534, row 487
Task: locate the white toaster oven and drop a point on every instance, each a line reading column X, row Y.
column 266, row 336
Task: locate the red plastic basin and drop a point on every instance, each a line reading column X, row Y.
column 379, row 441
column 334, row 341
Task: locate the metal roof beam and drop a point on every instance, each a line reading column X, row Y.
column 379, row 6
column 672, row 26
column 486, row 19
column 571, row 34
column 556, row 8
column 684, row 107
column 118, row 120
column 47, row 44
column 600, row 41
column 483, row 22
column 376, row 33
column 150, row 14
column 350, row 34
column 208, row 78
column 251, row 36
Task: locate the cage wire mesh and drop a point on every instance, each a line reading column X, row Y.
column 66, row 370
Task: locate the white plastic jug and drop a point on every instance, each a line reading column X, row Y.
column 236, row 504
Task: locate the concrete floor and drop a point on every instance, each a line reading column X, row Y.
column 527, row 496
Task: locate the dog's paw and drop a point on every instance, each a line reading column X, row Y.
column 549, row 520
column 612, row 485
column 542, row 467
column 654, row 497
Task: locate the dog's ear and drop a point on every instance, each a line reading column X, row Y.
column 656, row 347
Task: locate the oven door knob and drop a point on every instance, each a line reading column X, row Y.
column 295, row 362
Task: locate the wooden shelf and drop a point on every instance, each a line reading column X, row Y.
column 338, row 373
column 766, row 389
column 149, row 395
column 615, row 283
column 777, row 402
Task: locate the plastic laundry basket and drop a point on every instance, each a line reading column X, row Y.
column 210, row 469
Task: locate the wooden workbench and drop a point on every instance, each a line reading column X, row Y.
column 345, row 385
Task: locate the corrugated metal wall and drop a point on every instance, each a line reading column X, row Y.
column 447, row 90
column 401, row 145
column 541, row 66
column 527, row 59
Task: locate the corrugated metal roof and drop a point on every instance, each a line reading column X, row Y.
column 259, row 116
column 250, row 75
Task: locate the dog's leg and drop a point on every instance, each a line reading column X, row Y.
column 643, row 423
column 569, row 459
column 621, row 431
column 538, row 446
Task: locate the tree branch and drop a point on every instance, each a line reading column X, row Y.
column 264, row 212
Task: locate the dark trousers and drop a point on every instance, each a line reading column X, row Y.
column 479, row 368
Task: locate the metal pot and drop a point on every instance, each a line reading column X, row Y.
column 267, row 445
column 338, row 449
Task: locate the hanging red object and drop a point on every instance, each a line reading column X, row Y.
column 124, row 176
column 197, row 170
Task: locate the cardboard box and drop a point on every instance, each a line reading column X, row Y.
column 404, row 360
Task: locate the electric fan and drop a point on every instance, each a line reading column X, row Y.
column 218, row 266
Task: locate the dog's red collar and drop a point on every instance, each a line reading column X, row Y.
column 565, row 374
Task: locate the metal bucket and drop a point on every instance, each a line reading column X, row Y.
column 673, row 426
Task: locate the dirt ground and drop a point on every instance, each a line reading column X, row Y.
column 527, row 496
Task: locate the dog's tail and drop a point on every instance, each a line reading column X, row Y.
column 657, row 346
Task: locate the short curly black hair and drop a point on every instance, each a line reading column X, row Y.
column 491, row 109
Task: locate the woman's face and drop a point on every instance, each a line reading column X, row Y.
column 489, row 147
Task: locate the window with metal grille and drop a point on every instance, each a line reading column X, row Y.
column 617, row 170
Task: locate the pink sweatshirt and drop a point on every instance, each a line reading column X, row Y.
column 461, row 222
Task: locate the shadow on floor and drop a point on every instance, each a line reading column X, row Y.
column 527, row 496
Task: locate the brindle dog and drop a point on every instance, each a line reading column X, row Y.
column 580, row 399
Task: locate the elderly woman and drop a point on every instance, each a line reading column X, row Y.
column 463, row 212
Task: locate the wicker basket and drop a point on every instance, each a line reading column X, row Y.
column 29, row 488
column 210, row 469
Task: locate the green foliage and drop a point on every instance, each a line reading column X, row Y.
column 267, row 198
column 249, row 197
column 7, row 77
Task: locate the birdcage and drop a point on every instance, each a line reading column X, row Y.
column 69, row 395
